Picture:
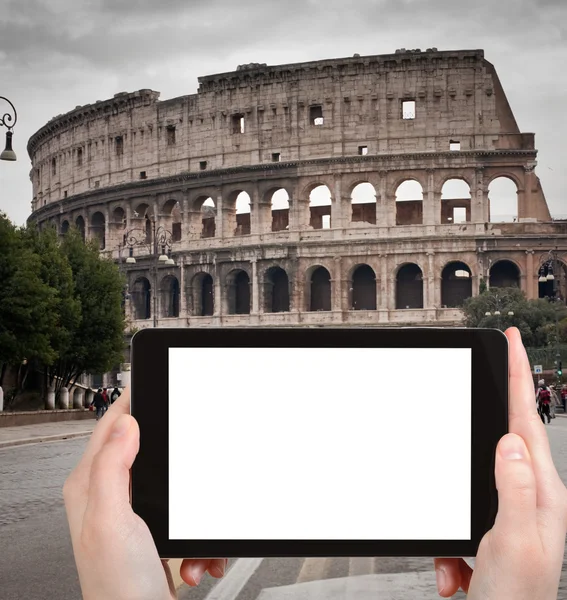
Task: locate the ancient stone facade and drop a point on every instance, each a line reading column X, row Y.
column 136, row 169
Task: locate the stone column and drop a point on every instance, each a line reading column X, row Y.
column 392, row 289
column 218, row 299
column 50, row 400
column 430, row 284
column 182, row 290
column 108, row 242
column 479, row 198
column 255, row 288
column 383, row 294
column 89, row 396
column 532, row 287
column 64, row 398
column 227, row 216
column 429, row 201
column 338, row 206
column 1, row 399
column 78, row 398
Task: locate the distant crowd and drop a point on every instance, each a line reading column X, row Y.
column 548, row 398
column 102, row 400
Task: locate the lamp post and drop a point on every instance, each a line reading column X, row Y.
column 159, row 250
column 497, row 312
column 8, row 120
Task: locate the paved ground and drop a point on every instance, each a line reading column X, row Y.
column 45, row 431
column 37, row 560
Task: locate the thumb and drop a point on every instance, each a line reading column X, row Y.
column 516, row 484
column 109, row 480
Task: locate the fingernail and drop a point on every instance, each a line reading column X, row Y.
column 121, row 426
column 220, row 569
column 441, row 578
column 197, row 576
column 512, row 448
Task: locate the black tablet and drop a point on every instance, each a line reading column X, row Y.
column 318, row 442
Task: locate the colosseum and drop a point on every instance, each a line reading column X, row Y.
column 342, row 192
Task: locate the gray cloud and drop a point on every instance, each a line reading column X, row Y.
column 56, row 54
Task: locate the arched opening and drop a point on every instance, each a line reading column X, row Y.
column 503, row 200
column 320, row 297
column 456, row 284
column 202, row 295
column 98, row 229
column 504, row 274
column 455, row 202
column 142, row 218
column 276, row 291
column 169, row 297
column 552, row 280
column 80, row 224
column 409, row 203
column 141, row 296
column 242, row 214
column 208, row 216
column 280, row 210
column 363, row 288
column 363, row 202
column 320, row 203
column 172, row 216
column 409, row 287
column 239, row 293
column 64, row 227
column 118, row 216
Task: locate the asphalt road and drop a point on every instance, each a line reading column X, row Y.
column 36, row 560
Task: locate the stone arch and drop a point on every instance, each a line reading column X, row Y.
column 202, row 295
column 504, row 273
column 409, row 202
column 362, row 288
column 141, row 295
column 279, row 201
column 169, row 297
column 119, row 216
column 142, row 217
column 240, row 202
column 456, row 284
column 503, row 199
column 64, row 227
column 456, row 201
column 363, row 203
column 276, row 290
column 80, row 225
column 320, row 207
column 206, row 208
column 409, row 287
column 238, row 292
column 98, row 227
column 319, row 289
column 171, row 212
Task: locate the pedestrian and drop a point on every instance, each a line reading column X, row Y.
column 520, row 558
column 98, row 403
column 564, row 396
column 554, row 400
column 543, row 399
column 106, row 399
column 115, row 395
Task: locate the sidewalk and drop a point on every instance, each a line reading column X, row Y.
column 45, row 432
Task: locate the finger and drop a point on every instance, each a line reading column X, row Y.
column 517, row 492
column 525, row 422
column 192, row 570
column 452, row 574
column 217, row 567
column 109, row 494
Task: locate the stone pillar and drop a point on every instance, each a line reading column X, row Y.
column 337, row 287
column 182, row 290
column 293, row 224
column 50, row 400
column 227, row 215
column 382, row 302
column 78, row 398
column 338, row 206
column 479, row 198
column 1, row 399
column 430, row 211
column 125, row 375
column 64, row 398
column 532, row 287
column 392, row 289
column 218, row 299
column 255, row 288
column 108, row 242
column 89, row 396
column 431, row 299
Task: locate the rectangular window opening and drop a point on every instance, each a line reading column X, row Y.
column 460, row 215
column 363, row 150
column 316, row 115
column 203, row 165
column 80, row 157
column 119, row 140
column 143, row 175
column 54, row 166
column 454, row 146
column 326, row 221
column 237, row 123
column 97, row 184
column 171, row 135
column 65, row 194
column 408, row 109
column 276, row 157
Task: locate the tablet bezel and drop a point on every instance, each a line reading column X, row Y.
column 150, row 472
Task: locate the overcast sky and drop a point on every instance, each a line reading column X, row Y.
column 57, row 54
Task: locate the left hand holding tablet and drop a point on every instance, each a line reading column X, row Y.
column 114, row 550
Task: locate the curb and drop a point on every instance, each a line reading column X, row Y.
column 47, row 438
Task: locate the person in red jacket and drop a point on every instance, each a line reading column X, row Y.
column 543, row 399
column 106, row 399
column 564, row 397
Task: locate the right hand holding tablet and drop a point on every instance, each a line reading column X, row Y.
column 521, row 557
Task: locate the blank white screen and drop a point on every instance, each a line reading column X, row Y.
column 319, row 443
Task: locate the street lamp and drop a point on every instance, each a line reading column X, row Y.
column 7, row 120
column 161, row 240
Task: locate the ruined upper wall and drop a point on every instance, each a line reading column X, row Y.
column 457, row 95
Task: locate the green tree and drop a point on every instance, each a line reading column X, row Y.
column 537, row 320
column 97, row 343
column 27, row 303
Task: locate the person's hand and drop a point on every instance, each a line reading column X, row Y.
column 114, row 551
column 521, row 557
